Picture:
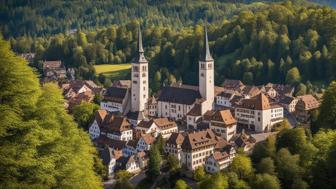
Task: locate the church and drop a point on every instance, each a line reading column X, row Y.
column 174, row 101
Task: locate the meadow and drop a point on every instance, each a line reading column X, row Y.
column 113, row 71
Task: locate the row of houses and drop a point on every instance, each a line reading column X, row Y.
column 213, row 145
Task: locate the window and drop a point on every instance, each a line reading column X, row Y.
column 202, row 66
column 135, row 82
column 210, row 66
column 135, row 68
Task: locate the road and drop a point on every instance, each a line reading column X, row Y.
column 109, row 183
column 136, row 179
column 262, row 136
column 290, row 117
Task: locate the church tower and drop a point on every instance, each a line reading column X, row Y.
column 139, row 89
column 206, row 73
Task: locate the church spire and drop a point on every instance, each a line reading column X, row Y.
column 140, row 56
column 140, row 48
column 207, row 54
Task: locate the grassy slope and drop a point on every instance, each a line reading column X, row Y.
column 113, row 71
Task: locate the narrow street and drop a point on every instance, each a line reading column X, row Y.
column 291, row 118
column 135, row 180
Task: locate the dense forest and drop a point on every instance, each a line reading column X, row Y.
column 38, row 17
column 281, row 42
column 40, row 144
column 43, row 18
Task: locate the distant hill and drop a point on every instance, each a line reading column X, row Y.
column 43, row 18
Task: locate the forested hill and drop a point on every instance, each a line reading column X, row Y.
column 41, row 18
column 281, row 43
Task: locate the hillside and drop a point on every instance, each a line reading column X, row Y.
column 44, row 18
column 40, row 18
column 278, row 43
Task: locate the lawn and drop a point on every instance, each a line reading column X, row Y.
column 114, row 71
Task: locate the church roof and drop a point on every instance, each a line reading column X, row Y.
column 135, row 115
column 179, row 95
column 195, row 111
column 115, row 94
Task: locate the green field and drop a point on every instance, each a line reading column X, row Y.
column 114, row 71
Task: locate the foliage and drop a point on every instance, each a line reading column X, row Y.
column 293, row 76
column 199, row 173
column 283, row 125
column 242, row 166
column 154, row 163
column 180, row 184
column 288, row 167
column 38, row 18
column 53, row 152
column 327, row 115
column 122, row 178
column 266, row 149
column 266, row 181
column 235, row 182
column 173, row 163
column 266, row 42
column 266, row 165
column 84, row 113
column 216, row 181
column 323, row 172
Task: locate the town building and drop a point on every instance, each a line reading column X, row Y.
column 128, row 163
column 234, row 85
column 223, row 124
column 152, row 106
column 139, row 86
column 173, row 145
column 258, row 113
column 116, row 99
column 109, row 159
column 289, row 103
column 94, row 129
column 196, row 147
column 305, row 106
column 77, row 91
column 244, row 141
column 157, row 126
column 176, row 101
column 250, row 91
column 225, row 98
column 116, row 127
column 220, row 160
column 53, row 71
